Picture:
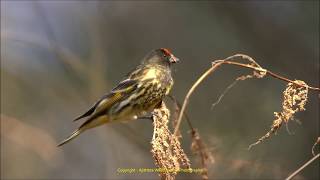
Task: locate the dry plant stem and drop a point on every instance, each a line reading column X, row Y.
column 272, row 74
column 176, row 102
column 302, row 167
column 224, row 93
column 198, row 146
column 315, row 145
column 218, row 63
column 195, row 85
column 166, row 148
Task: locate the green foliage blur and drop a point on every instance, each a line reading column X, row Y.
column 58, row 57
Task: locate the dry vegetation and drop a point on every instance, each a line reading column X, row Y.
column 294, row 99
column 166, row 147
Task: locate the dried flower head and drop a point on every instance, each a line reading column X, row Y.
column 200, row 148
column 294, row 100
column 166, row 148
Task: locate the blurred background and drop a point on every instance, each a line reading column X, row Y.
column 58, row 57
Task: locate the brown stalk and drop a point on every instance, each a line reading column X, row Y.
column 303, row 167
column 198, row 147
column 229, row 60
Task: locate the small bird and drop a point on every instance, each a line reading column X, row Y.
column 137, row 95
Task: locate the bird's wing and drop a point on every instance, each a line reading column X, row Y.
column 106, row 101
column 89, row 112
column 125, row 85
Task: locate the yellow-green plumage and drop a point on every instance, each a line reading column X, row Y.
column 142, row 90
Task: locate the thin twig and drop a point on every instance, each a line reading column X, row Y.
column 254, row 66
column 272, row 74
column 224, row 93
column 177, row 103
column 195, row 85
column 315, row 144
column 200, row 148
column 302, row 167
column 197, row 146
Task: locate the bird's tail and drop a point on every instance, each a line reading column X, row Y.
column 72, row 136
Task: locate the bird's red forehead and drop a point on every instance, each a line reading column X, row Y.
column 166, row 51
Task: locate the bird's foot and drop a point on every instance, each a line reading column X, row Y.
column 149, row 117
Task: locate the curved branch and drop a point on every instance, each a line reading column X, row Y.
column 195, row 85
column 229, row 60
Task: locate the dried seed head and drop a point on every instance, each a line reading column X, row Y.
column 166, row 148
column 295, row 98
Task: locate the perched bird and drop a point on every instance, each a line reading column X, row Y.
column 138, row 94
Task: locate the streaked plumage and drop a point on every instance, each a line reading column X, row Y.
column 139, row 93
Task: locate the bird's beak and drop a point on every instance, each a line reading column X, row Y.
column 173, row 59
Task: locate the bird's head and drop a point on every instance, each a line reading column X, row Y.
column 160, row 56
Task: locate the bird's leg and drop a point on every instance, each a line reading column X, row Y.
column 150, row 117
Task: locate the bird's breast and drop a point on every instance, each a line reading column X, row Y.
column 154, row 84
